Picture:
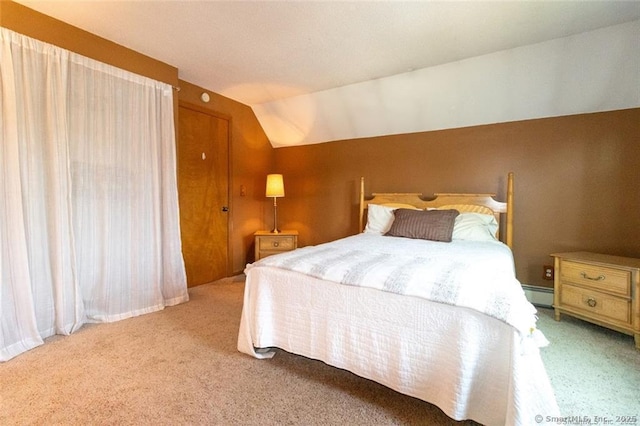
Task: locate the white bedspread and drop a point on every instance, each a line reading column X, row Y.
column 469, row 364
column 470, row 274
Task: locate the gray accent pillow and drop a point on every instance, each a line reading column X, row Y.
column 434, row 225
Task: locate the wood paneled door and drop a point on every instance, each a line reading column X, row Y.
column 203, row 190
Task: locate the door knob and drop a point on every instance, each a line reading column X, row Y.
column 225, row 209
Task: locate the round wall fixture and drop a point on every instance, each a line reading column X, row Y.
column 205, row 97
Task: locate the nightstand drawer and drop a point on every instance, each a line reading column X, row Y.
column 597, row 304
column 597, row 277
column 268, row 243
column 277, row 243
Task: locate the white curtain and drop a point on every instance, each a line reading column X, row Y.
column 89, row 226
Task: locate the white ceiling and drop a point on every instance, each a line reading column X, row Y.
column 257, row 52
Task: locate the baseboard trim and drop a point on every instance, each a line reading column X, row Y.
column 539, row 296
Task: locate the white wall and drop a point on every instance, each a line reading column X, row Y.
column 589, row 72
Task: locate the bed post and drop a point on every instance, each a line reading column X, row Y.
column 509, row 230
column 360, row 229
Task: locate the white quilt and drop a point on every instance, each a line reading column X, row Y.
column 470, row 274
column 469, row 364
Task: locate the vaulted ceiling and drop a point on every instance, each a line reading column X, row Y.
column 310, row 68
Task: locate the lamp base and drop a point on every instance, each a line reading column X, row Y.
column 275, row 229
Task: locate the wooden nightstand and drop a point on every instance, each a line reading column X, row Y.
column 599, row 288
column 268, row 243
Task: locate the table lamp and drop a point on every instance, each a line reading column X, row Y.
column 275, row 189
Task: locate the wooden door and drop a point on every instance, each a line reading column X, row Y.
column 203, row 191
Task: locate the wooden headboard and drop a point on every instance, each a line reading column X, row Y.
column 480, row 203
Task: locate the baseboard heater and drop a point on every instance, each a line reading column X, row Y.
column 539, row 296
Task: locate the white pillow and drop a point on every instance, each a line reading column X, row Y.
column 475, row 227
column 379, row 219
column 380, row 216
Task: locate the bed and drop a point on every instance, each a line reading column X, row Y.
column 419, row 302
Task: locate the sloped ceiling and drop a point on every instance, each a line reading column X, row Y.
column 320, row 71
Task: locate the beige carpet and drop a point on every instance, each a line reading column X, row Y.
column 594, row 371
column 181, row 366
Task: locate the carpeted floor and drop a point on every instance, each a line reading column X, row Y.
column 595, row 372
column 181, row 366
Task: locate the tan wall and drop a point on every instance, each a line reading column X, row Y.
column 251, row 153
column 576, row 181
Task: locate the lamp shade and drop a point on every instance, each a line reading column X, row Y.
column 275, row 186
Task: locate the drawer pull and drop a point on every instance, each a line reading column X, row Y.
column 598, row 278
column 276, row 243
column 592, row 302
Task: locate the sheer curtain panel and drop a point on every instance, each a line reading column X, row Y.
column 89, row 226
